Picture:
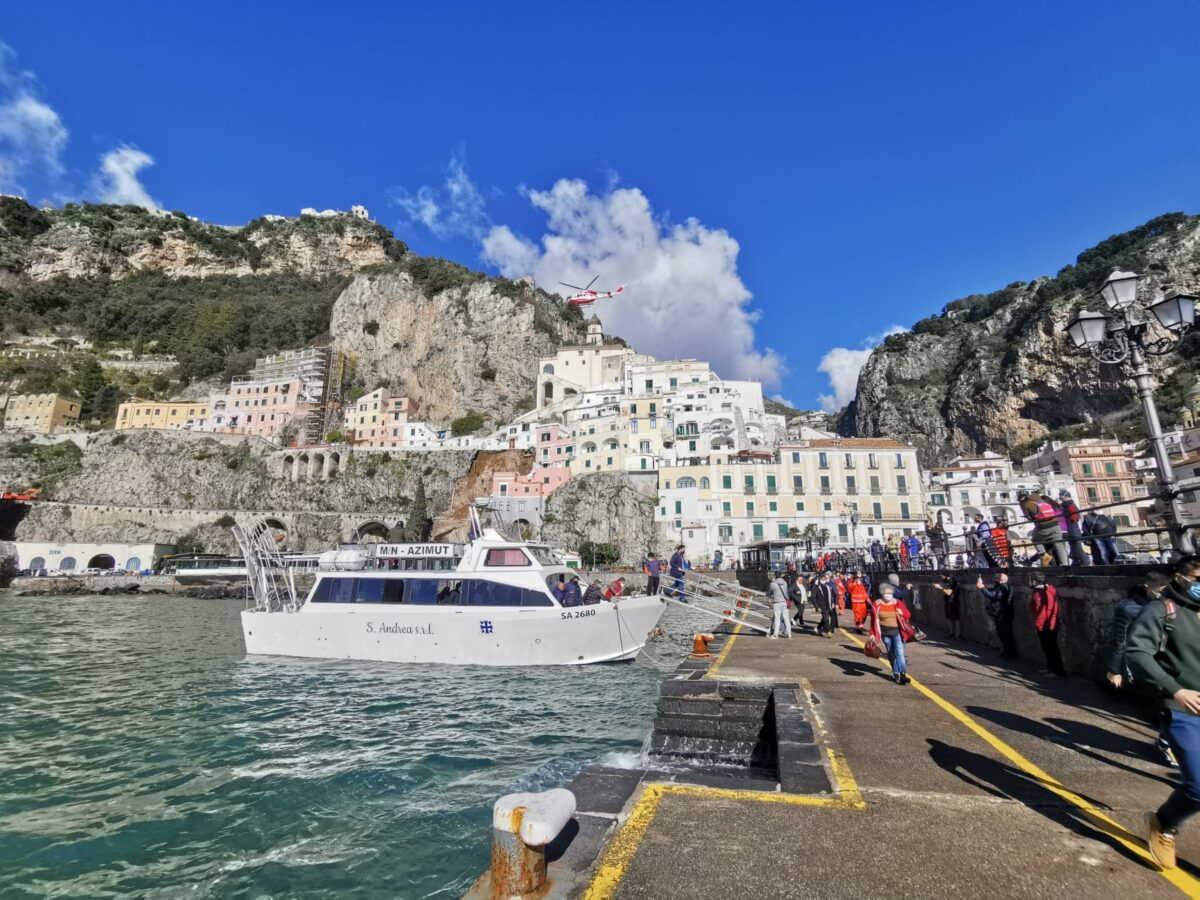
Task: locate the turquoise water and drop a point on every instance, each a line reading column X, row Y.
column 141, row 753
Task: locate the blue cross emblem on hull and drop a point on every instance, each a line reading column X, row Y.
column 485, row 627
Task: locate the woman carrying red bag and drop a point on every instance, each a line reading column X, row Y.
column 891, row 626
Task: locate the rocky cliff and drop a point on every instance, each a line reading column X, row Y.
column 92, row 240
column 997, row 371
column 609, row 508
column 457, row 341
column 454, row 340
column 156, row 486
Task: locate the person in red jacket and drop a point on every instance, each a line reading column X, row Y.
column 859, row 598
column 1043, row 606
column 891, row 627
column 615, row 589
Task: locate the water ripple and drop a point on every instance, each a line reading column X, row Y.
column 141, row 753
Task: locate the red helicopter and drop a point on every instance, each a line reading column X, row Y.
column 585, row 296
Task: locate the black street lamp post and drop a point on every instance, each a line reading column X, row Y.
column 1128, row 335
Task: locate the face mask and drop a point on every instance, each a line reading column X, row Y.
column 1194, row 590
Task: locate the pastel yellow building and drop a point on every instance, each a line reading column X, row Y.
column 40, row 413
column 854, row 491
column 165, row 415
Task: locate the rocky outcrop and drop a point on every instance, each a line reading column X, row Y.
column 993, row 372
column 156, row 485
column 8, row 563
column 454, row 524
column 469, row 347
column 90, row 240
column 611, row 508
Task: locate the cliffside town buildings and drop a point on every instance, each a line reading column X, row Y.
column 727, row 472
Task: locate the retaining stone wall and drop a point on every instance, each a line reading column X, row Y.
column 1087, row 600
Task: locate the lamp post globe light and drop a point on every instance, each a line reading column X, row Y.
column 1128, row 334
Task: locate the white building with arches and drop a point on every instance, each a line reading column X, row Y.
column 75, row 558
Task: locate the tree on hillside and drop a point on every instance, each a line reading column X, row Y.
column 597, row 555
column 419, row 525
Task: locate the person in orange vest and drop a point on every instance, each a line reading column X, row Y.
column 842, row 593
column 1000, row 539
column 859, row 598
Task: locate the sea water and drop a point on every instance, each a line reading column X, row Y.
column 143, row 753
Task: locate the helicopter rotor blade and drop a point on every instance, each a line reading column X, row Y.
column 590, row 283
column 572, row 286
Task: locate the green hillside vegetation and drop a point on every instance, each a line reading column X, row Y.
column 215, row 325
column 124, row 228
column 980, row 337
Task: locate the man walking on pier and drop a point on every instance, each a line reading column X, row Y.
column 677, row 563
column 777, row 593
column 1164, row 651
column 822, row 597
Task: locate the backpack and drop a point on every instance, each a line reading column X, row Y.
column 1168, row 624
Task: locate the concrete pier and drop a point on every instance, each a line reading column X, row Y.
column 981, row 778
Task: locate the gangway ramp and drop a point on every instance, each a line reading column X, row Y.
column 722, row 600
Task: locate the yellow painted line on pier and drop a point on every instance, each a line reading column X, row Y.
column 720, row 660
column 843, row 778
column 1102, row 823
column 625, row 843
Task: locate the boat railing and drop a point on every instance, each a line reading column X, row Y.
column 270, row 582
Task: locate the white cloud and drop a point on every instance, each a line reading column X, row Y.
column 842, row 365
column 779, row 398
column 454, row 210
column 117, row 181
column 683, row 295
column 32, row 136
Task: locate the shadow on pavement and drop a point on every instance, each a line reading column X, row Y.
column 856, row 668
column 1081, row 737
column 1074, row 691
column 1002, row 780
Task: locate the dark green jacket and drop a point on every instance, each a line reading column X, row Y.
column 1178, row 664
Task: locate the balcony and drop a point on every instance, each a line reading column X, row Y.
column 851, row 490
column 772, row 489
column 825, row 492
column 749, row 489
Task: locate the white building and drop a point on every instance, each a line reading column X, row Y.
column 75, row 557
column 987, row 485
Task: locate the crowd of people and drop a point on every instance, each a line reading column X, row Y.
column 1062, row 535
column 1155, row 647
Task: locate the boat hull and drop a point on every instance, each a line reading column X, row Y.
column 457, row 635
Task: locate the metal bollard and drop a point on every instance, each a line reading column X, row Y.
column 700, row 646
column 522, row 826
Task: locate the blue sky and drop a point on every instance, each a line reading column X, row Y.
column 775, row 181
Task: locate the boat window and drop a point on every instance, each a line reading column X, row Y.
column 430, row 591
column 510, row 556
column 380, row 590
column 494, row 593
column 543, row 555
column 334, row 590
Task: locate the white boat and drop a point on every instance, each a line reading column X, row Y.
column 207, row 568
column 486, row 603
